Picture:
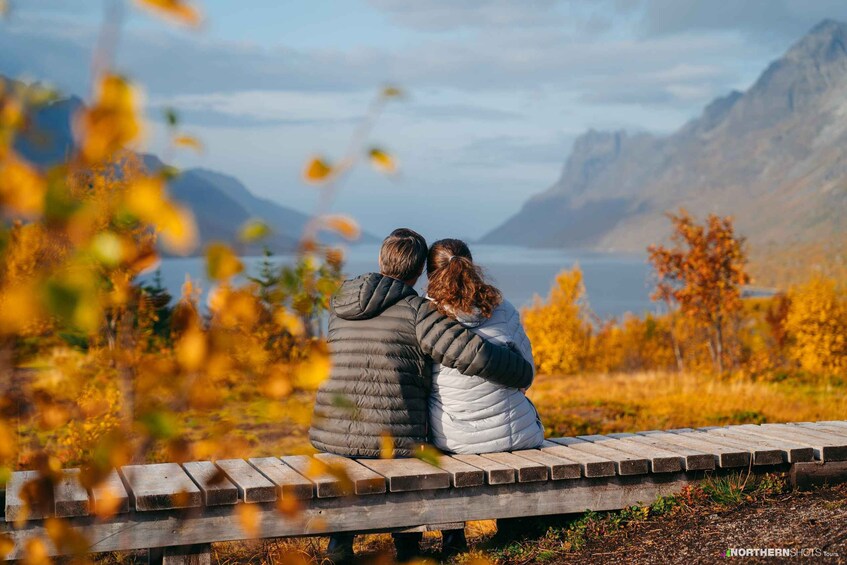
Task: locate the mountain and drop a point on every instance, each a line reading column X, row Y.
column 221, row 203
column 774, row 157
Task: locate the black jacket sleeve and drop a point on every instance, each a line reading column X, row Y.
column 451, row 344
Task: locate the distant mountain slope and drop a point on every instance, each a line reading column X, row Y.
column 775, row 157
column 221, row 203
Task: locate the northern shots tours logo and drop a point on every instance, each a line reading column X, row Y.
column 778, row 552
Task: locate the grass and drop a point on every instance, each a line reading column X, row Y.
column 643, row 401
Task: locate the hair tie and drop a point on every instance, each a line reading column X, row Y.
column 450, row 260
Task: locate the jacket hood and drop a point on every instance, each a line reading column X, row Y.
column 368, row 295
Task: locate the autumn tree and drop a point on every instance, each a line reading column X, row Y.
column 816, row 323
column 559, row 328
column 701, row 275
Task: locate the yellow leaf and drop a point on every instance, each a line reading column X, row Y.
column 253, row 230
column 292, row 323
column 112, row 121
column 382, row 161
column 248, row 517
column 317, row 170
column 108, row 248
column 221, row 262
column 191, row 349
column 36, row 552
column 344, row 225
column 6, row 546
column 22, row 188
column 178, row 229
column 278, row 385
column 386, row 446
column 390, row 91
column 177, row 10
column 188, row 141
column 314, row 370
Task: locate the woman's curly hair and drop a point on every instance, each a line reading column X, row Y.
column 456, row 284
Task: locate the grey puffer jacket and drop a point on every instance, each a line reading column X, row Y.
column 476, row 415
column 383, row 338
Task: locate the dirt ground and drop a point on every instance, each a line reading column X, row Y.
column 812, row 521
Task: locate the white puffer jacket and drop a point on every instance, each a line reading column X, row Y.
column 473, row 415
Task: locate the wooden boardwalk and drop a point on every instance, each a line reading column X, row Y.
column 169, row 505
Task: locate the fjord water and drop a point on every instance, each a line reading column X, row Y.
column 615, row 283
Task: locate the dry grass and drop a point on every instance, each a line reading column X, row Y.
column 643, row 401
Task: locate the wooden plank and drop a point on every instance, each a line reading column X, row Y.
column 139, row 530
column 793, row 451
column 217, row 489
column 365, row 481
column 826, row 447
column 495, row 473
column 527, row 470
column 408, row 474
column 805, row 476
column 16, row 507
column 252, row 485
column 826, row 428
column 557, row 467
column 326, row 486
column 760, row 455
column 461, row 474
column 69, row 496
column 591, row 465
column 198, row 554
column 839, row 423
column 289, row 483
column 725, row 456
column 692, row 459
column 660, row 460
column 110, row 496
column 625, row 463
column 160, row 486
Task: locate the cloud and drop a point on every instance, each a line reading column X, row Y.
column 446, row 15
column 506, row 150
column 765, row 20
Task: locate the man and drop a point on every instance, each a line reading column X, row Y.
column 384, row 338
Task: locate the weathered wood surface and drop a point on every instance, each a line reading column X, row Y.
column 110, row 496
column 836, row 431
column 408, row 474
column 212, row 482
column 16, row 506
column 557, row 468
column 142, row 530
column 793, row 452
column 827, row 446
column 725, row 456
column 495, row 473
column 461, row 474
column 160, row 486
column 660, row 460
column 527, row 470
column 197, row 554
column 326, row 485
column 289, row 483
column 760, row 455
column 252, row 485
column 693, row 459
column 625, row 463
column 805, row 476
column 69, row 496
column 590, row 465
column 365, row 481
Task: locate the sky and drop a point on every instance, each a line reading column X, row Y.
column 496, row 90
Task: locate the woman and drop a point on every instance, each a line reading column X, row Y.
column 470, row 414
